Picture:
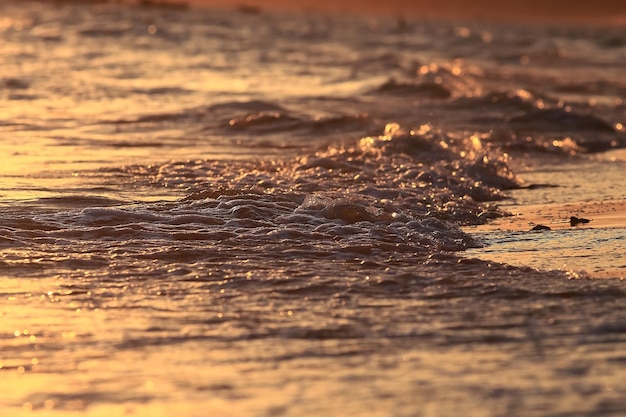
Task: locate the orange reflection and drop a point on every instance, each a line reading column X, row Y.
column 607, row 10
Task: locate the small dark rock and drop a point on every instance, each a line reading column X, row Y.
column 540, row 227
column 575, row 221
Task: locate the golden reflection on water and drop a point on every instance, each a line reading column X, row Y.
column 139, row 347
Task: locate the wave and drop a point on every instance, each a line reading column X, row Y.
column 560, row 120
column 404, row 191
column 424, row 90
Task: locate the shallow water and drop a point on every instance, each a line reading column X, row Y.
column 216, row 212
column 596, row 251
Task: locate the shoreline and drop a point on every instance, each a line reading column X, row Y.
column 589, row 188
column 585, row 250
column 605, row 214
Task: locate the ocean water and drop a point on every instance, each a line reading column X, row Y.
column 226, row 213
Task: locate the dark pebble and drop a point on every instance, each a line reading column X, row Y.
column 575, row 221
column 540, row 227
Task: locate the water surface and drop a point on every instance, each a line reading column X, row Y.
column 270, row 214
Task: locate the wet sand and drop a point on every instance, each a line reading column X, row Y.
column 593, row 249
column 603, row 214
